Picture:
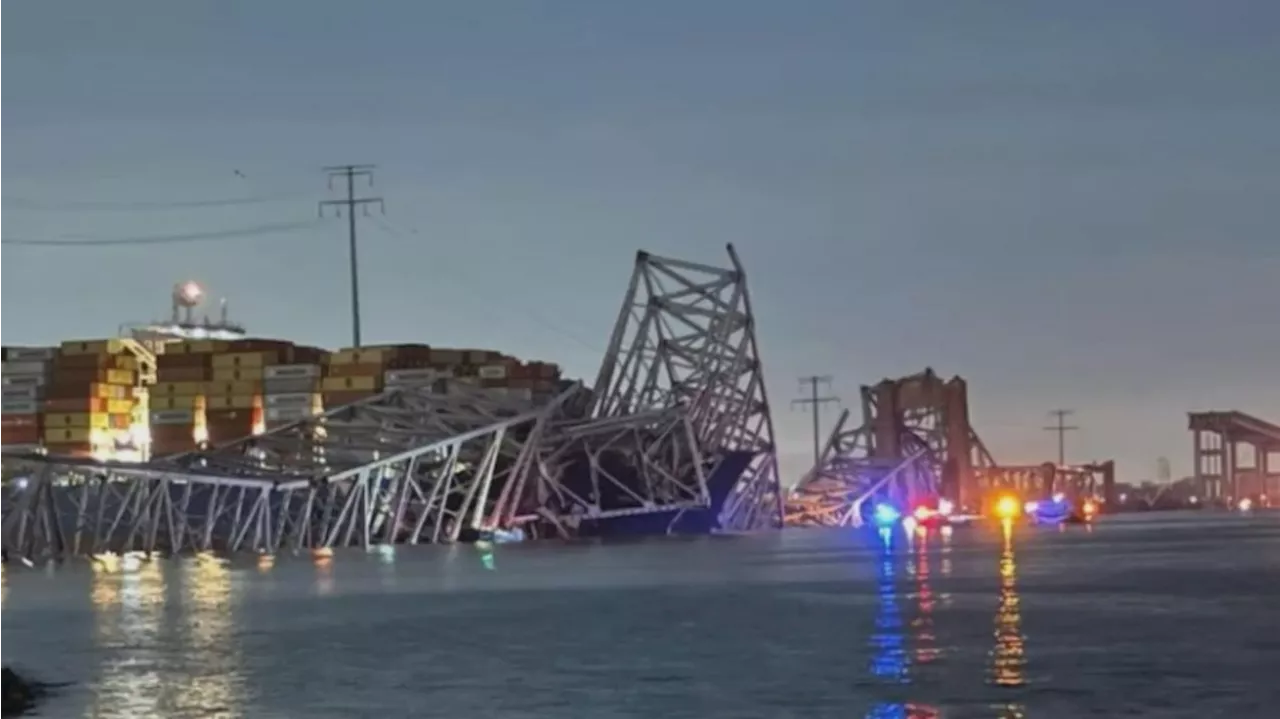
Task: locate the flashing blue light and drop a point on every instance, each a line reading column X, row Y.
column 886, row 514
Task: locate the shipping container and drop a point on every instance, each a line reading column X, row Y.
column 36, row 367
column 19, row 420
column 23, row 380
column 19, row 407
column 235, row 387
column 10, row 436
column 347, row 384
column 95, row 361
column 345, row 397
column 291, row 386
column 87, row 375
column 167, row 362
column 356, row 370
column 93, row 420
column 58, row 390
column 191, row 347
column 237, row 401
column 182, row 374
column 245, row 360
column 376, row 356
column 492, row 371
column 91, row 347
column 172, row 417
column 21, row 393
column 232, row 374
column 447, row 357
column 29, row 354
column 231, row 416
column 302, row 399
column 425, row 375
column 64, row 435
column 291, row 371
column 178, row 402
column 80, row 404
column 165, row 389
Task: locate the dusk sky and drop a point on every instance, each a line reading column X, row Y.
column 1070, row 204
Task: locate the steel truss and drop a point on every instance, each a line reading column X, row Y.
column 679, row 423
column 915, row 441
column 686, row 337
column 1222, row 471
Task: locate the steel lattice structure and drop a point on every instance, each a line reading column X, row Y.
column 914, row 441
column 677, row 431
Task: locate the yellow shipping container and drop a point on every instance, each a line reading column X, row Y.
column 120, row 406
column 228, row 388
column 98, row 420
column 342, row 384
column 56, row 435
column 244, row 360
column 362, row 356
column 92, row 347
column 239, row 401
column 119, row 376
column 176, row 388
column 234, row 374
column 178, row 401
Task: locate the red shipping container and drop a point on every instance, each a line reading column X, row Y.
column 20, row 435
column 19, row 420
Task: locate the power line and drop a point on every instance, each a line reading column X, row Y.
column 815, row 402
column 349, row 173
column 233, row 234
column 1061, row 428
column 74, row 206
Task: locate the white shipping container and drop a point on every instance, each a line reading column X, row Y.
column 23, row 380
column 173, row 416
column 24, row 367
column 493, row 371
column 19, row 406
column 425, row 375
column 291, row 371
column 288, row 414
column 30, row 354
column 20, row 392
column 299, row 385
column 301, row 399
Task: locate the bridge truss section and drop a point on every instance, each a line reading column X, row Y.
column 1235, row 456
column 914, row 442
column 678, row 426
column 686, row 338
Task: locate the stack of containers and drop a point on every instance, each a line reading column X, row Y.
column 89, row 399
column 178, row 396
column 24, row 374
column 414, row 365
column 291, row 392
column 354, row 374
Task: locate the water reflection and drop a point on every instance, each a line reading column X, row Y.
column 212, row 659
column 922, row 629
column 888, row 652
column 128, row 597
column 1008, row 657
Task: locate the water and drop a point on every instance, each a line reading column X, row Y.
column 1154, row 616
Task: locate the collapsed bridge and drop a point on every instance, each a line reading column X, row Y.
column 916, row 442
column 674, row 436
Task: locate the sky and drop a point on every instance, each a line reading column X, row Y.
column 1068, row 204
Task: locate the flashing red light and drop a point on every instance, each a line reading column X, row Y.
column 922, row 513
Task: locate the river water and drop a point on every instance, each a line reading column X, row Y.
column 1155, row 616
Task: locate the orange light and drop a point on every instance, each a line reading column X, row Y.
column 1007, row 507
column 922, row 513
column 1090, row 508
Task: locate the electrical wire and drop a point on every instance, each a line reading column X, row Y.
column 167, row 239
column 28, row 204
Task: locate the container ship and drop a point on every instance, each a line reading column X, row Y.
column 165, row 388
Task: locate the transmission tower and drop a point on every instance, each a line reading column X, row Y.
column 1061, row 428
column 349, row 173
column 815, row 400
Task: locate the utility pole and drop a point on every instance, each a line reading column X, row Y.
column 815, row 401
column 349, row 173
column 1061, row 428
